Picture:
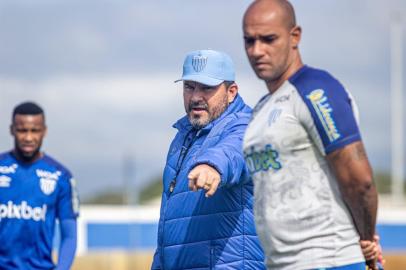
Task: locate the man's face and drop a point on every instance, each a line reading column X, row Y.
column 28, row 132
column 205, row 103
column 268, row 43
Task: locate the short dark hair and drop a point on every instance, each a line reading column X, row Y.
column 228, row 83
column 28, row 108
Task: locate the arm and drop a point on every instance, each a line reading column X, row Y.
column 354, row 175
column 67, row 210
column 68, row 244
column 226, row 156
column 223, row 163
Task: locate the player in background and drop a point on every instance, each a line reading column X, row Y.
column 35, row 191
column 314, row 193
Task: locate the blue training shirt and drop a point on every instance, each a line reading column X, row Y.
column 32, row 197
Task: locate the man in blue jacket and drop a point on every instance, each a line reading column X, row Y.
column 206, row 219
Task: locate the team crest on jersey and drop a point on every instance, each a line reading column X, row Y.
column 199, row 62
column 48, row 180
column 4, row 181
column 324, row 111
column 47, row 185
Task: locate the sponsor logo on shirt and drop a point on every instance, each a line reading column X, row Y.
column 263, row 160
column 48, row 175
column 282, row 99
column 48, row 180
column 324, row 111
column 22, row 211
column 5, row 181
column 8, row 169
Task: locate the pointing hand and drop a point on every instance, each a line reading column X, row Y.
column 204, row 177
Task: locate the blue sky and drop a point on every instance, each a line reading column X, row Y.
column 104, row 72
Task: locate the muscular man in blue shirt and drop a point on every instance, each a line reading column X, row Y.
column 35, row 190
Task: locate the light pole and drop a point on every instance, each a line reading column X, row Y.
column 397, row 174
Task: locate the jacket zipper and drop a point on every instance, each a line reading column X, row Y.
column 172, row 187
column 183, row 153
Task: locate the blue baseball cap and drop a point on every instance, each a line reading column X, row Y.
column 208, row 67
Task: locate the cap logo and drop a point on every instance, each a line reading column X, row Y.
column 199, row 62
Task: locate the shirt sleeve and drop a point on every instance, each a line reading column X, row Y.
column 331, row 117
column 68, row 199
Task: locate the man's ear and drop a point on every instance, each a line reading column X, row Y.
column 296, row 34
column 232, row 92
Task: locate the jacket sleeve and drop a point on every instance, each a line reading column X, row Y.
column 156, row 265
column 226, row 156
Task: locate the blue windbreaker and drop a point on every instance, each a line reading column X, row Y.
column 196, row 232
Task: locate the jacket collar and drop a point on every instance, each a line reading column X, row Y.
column 237, row 105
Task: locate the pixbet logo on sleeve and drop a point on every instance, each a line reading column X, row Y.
column 22, row 211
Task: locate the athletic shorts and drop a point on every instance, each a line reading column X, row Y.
column 355, row 266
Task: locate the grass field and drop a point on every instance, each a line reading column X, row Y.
column 114, row 261
column 142, row 261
